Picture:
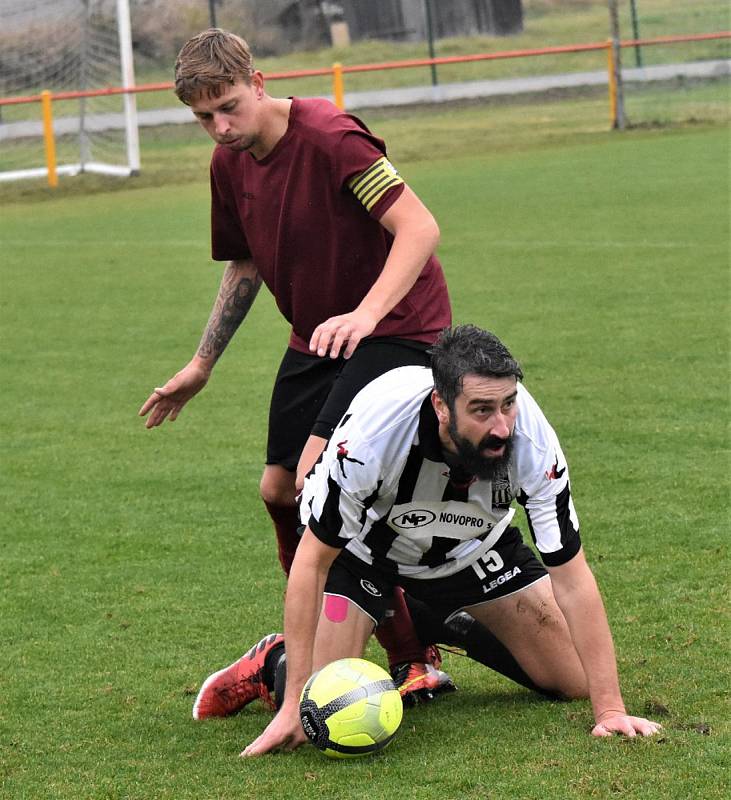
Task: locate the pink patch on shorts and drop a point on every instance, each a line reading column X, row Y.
column 336, row 608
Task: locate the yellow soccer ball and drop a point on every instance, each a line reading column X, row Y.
column 350, row 708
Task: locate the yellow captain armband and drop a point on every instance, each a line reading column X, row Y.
column 370, row 186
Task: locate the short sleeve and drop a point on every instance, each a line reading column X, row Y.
column 364, row 169
column 341, row 489
column 375, row 184
column 552, row 518
column 228, row 240
column 545, row 489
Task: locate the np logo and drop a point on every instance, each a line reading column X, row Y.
column 370, row 588
column 414, row 519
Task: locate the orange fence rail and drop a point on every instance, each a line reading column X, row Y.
column 337, row 71
column 408, row 64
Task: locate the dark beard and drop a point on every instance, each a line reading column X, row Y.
column 470, row 457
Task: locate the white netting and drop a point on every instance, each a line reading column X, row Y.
column 65, row 45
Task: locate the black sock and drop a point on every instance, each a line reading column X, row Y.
column 271, row 664
column 280, row 680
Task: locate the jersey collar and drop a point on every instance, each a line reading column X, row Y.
column 429, row 443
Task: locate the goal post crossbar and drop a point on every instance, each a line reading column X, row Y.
column 66, row 169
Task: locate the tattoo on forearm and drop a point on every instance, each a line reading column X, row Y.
column 233, row 302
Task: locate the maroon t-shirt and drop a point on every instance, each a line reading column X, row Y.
column 315, row 246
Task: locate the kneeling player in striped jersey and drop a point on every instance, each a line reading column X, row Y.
column 415, row 490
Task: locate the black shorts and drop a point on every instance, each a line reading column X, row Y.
column 509, row 567
column 312, row 393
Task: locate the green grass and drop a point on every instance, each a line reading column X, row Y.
column 135, row 562
column 180, row 153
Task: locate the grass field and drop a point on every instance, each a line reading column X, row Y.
column 136, row 562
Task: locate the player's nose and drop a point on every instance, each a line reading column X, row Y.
column 221, row 124
column 500, row 426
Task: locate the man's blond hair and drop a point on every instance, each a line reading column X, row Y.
column 209, row 63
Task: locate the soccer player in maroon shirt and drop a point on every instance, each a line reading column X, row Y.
column 305, row 200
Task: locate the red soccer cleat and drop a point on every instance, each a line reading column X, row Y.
column 227, row 691
column 420, row 682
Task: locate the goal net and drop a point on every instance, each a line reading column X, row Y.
column 67, row 46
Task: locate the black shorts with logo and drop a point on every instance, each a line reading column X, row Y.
column 312, row 393
column 509, row 567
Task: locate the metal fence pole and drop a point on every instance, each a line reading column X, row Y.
column 618, row 123
column 430, row 39
column 49, row 138
column 636, row 32
column 338, row 86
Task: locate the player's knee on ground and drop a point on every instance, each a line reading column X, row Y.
column 465, row 632
column 557, row 668
column 532, row 626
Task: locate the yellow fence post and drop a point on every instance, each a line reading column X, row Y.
column 612, row 83
column 338, row 88
column 49, row 138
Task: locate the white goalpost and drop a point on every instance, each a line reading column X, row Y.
column 67, row 46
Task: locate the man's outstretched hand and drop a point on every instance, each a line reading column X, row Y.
column 167, row 401
column 283, row 733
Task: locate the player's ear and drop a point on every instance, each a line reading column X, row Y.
column 257, row 83
column 441, row 409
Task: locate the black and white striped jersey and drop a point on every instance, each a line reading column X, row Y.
column 383, row 490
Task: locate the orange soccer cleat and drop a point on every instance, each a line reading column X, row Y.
column 227, row 691
column 420, row 682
